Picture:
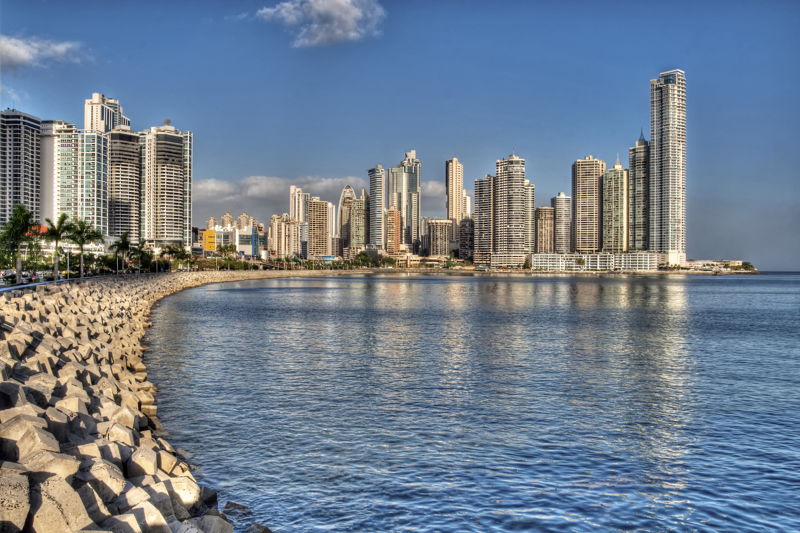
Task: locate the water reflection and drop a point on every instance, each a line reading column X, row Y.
column 442, row 403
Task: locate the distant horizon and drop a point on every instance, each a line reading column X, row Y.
column 272, row 103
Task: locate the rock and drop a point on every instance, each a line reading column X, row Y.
column 57, row 508
column 215, row 524
column 72, row 404
column 143, row 462
column 10, row 467
column 34, row 440
column 14, row 501
column 236, row 510
column 24, row 409
column 126, row 416
column 120, row 433
column 57, row 423
column 209, row 496
column 122, row 523
column 94, row 505
column 185, row 493
column 105, row 478
column 48, row 462
column 258, row 528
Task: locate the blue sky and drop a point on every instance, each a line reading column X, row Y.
column 315, row 93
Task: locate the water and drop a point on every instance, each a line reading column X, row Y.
column 454, row 403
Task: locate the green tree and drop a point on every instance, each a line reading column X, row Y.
column 16, row 233
column 56, row 232
column 121, row 247
column 83, row 233
column 226, row 250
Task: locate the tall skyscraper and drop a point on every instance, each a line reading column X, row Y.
column 20, row 160
column 667, row 233
column 226, row 221
column 319, row 228
column 283, row 236
column 586, row 189
column 466, row 239
column 638, row 194
column 124, row 182
column 562, row 223
column 166, row 186
column 103, row 114
column 358, row 222
column 404, row 186
column 454, row 182
column 504, row 215
column 545, row 218
column 346, row 200
column 75, row 174
column 298, row 203
column 615, row 209
column 376, row 206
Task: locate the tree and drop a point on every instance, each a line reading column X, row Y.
column 141, row 253
column 226, row 250
column 121, row 247
column 83, row 233
column 56, row 232
column 15, row 233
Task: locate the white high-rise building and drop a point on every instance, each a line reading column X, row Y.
column 124, row 178
column 20, row 152
column 638, row 194
column 667, row 221
column 75, row 174
column 586, row 192
column 615, row 209
column 376, row 206
column 298, row 204
column 454, row 182
column 103, row 114
column 562, row 223
column 504, row 217
column 404, row 186
column 166, row 216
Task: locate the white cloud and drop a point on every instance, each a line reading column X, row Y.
column 17, row 53
column 264, row 196
column 323, row 22
column 261, row 196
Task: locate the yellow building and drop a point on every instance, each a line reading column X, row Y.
column 209, row 240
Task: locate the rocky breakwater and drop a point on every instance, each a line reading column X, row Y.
column 79, row 436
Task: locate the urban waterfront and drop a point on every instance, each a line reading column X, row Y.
column 461, row 403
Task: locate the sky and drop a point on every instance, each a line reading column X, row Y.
column 315, row 92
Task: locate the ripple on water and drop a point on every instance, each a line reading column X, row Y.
column 478, row 404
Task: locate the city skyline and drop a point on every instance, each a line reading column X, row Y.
column 602, row 118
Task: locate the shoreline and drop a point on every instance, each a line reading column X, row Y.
column 80, row 439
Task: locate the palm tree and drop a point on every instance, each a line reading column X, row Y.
column 83, row 233
column 121, row 247
column 140, row 253
column 15, row 233
column 57, row 231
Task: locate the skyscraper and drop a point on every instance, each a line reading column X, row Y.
column 404, row 185
column 124, row 182
column 393, row 226
column 20, row 153
column 319, row 228
column 562, row 223
column 358, row 222
column 103, row 114
column 586, row 175
column 545, row 217
column 298, row 203
column 75, row 174
column 346, row 199
column 504, row 215
column 376, row 206
column 440, row 234
column 667, row 208
column 638, row 194
column 615, row 209
column 166, row 186
column 454, row 182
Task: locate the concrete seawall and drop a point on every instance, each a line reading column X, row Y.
column 79, row 438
